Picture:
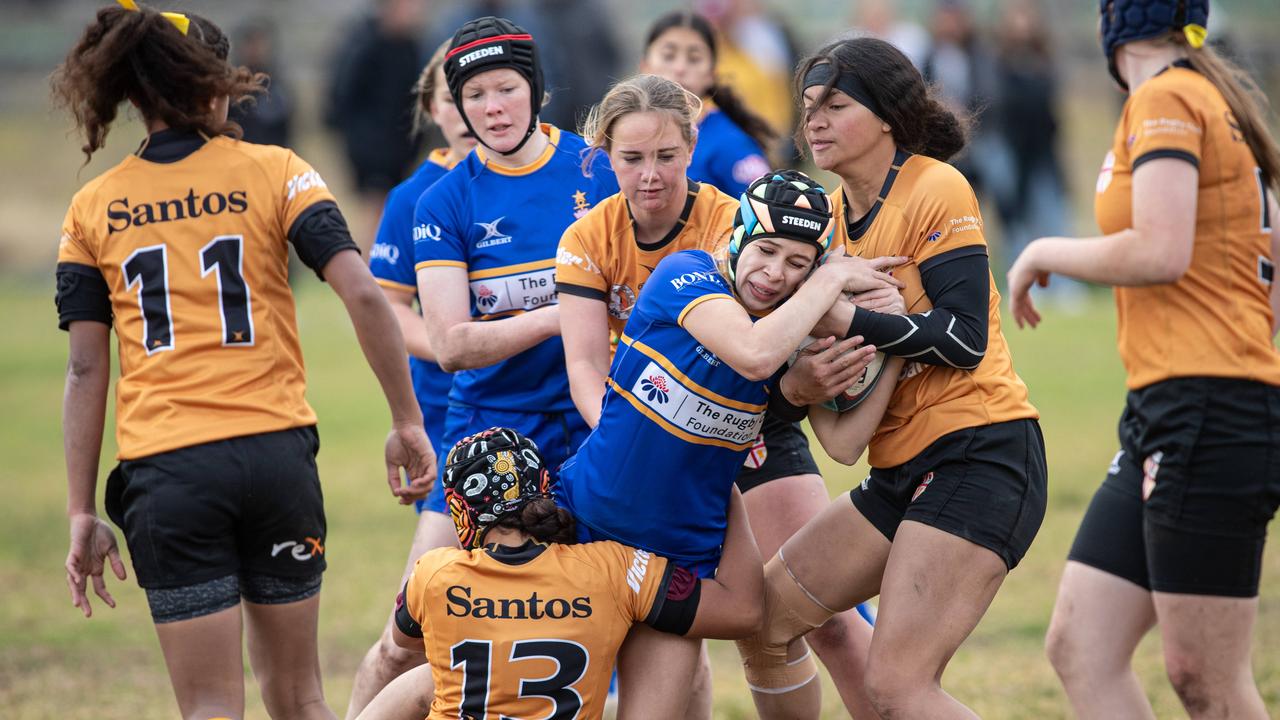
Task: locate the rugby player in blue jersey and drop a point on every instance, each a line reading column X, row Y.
column 686, row 397
column 485, row 245
column 681, row 46
column 391, row 262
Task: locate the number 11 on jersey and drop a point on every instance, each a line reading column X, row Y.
column 148, row 269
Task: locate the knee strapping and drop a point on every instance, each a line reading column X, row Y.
column 790, row 611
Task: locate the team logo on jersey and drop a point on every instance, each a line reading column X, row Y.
column 426, row 231
column 303, row 182
column 924, row 485
column 486, row 299
column 758, row 453
column 934, row 236
column 655, row 387
column 621, row 299
column 300, row 551
column 492, row 235
column 1108, row 168
column 580, row 204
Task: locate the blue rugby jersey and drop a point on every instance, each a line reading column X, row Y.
column 391, row 262
column 674, row 429
column 503, row 225
column 726, row 156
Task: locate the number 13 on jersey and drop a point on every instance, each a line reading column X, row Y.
column 480, row 675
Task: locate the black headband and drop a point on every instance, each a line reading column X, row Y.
column 819, row 75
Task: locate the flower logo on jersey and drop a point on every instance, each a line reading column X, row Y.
column 486, row 299
column 621, row 299
column 924, row 485
column 492, row 235
column 580, row 204
column 656, row 388
column 934, row 236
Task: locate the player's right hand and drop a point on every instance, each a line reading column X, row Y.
column 860, row 274
column 409, row 449
column 92, row 542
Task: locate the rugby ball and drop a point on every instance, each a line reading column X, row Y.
column 853, row 395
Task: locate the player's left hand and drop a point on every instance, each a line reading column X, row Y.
column 409, row 449
column 92, row 546
column 882, row 300
column 1022, row 275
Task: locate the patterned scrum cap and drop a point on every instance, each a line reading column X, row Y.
column 783, row 204
column 490, row 475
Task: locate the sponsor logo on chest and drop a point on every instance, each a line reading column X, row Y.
column 521, row 291
column 693, row 412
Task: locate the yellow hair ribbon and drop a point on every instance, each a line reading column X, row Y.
column 180, row 21
column 1195, row 35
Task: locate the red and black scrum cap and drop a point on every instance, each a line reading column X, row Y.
column 488, row 43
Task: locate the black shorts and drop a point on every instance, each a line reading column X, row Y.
column 781, row 450
column 1186, row 502
column 986, row 484
column 249, row 504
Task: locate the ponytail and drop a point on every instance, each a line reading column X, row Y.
column 139, row 55
column 544, row 521
column 1248, row 104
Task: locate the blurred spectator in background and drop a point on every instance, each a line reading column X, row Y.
column 879, row 19
column 755, row 56
column 269, row 120
column 961, row 67
column 576, row 45
column 1033, row 201
column 370, row 102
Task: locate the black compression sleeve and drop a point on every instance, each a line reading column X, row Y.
column 82, row 295
column 954, row 332
column 405, row 621
column 319, row 233
column 779, row 406
column 677, row 601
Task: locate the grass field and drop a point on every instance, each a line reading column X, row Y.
column 53, row 663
